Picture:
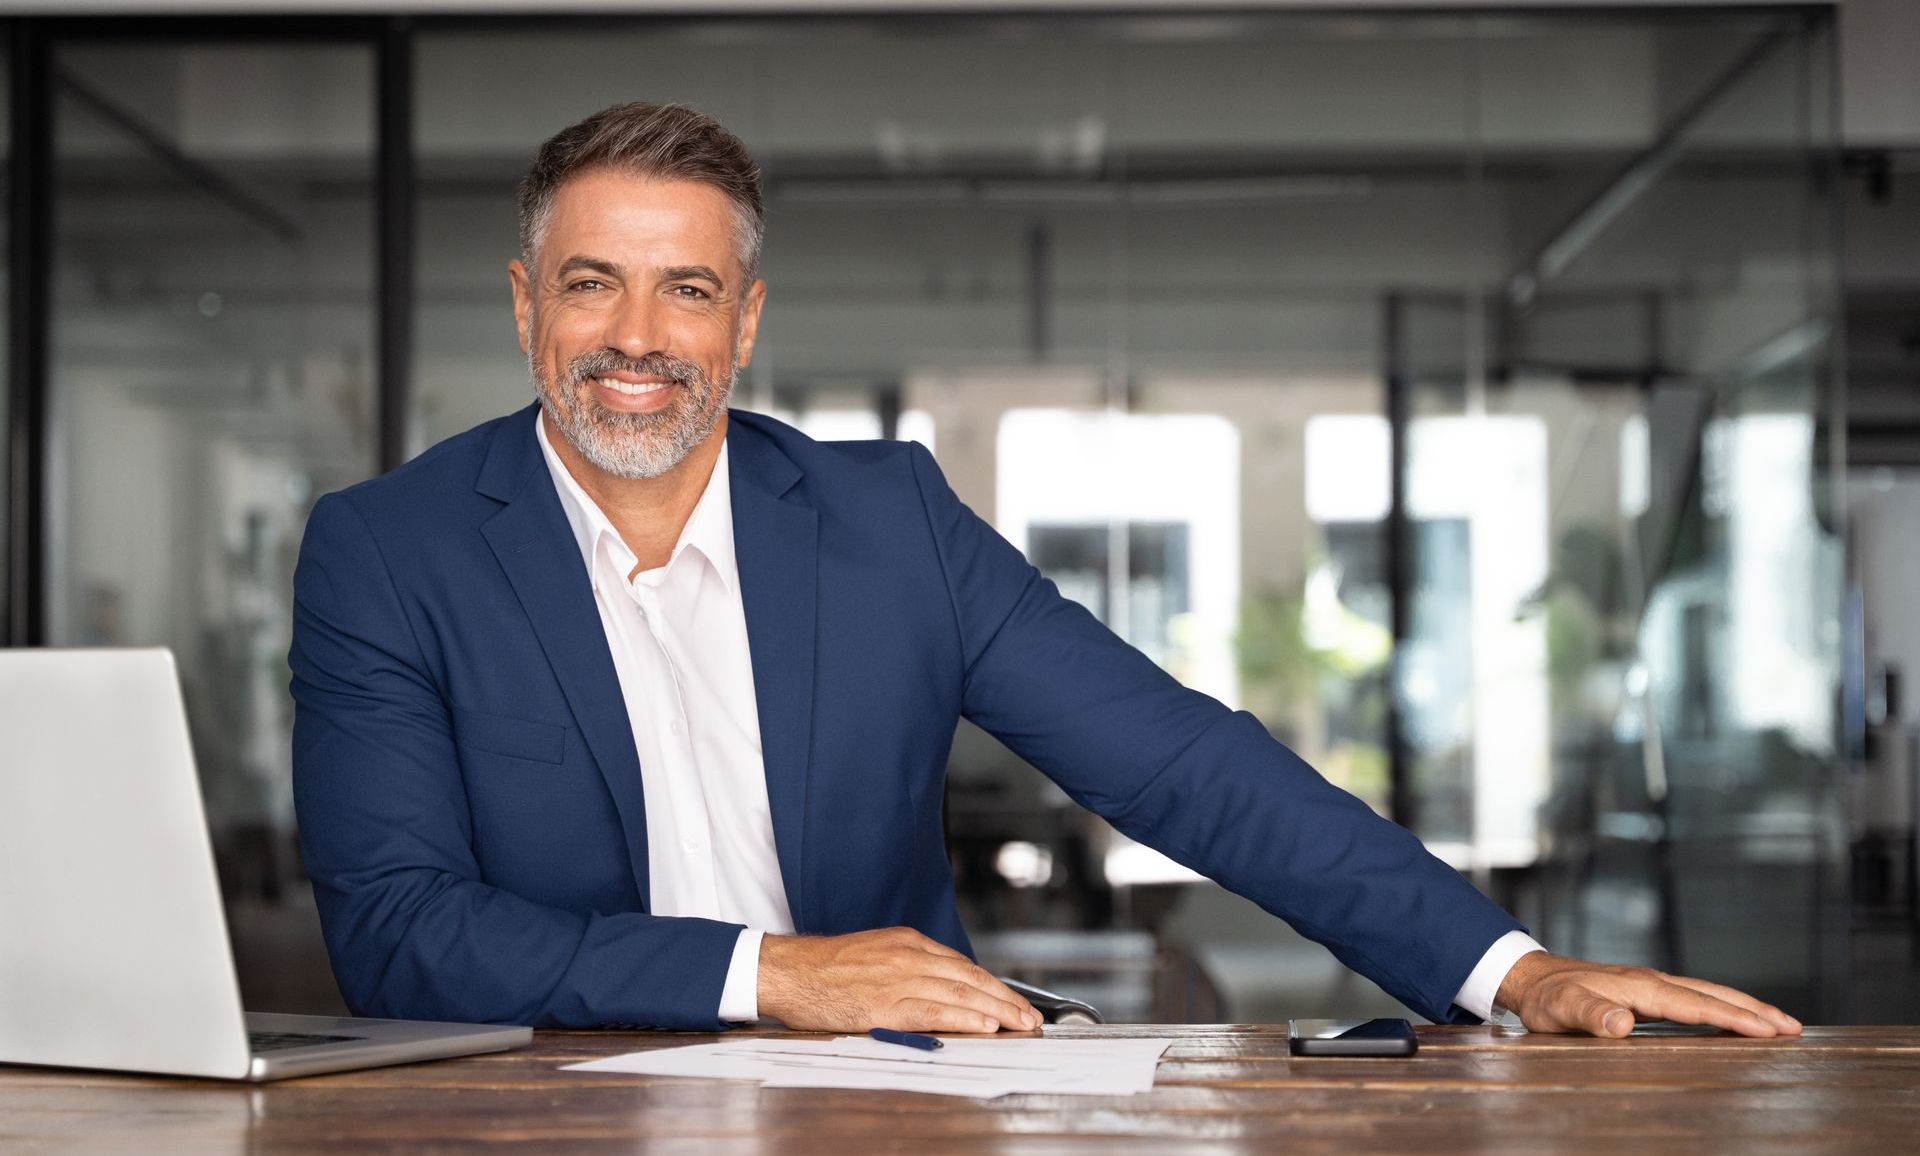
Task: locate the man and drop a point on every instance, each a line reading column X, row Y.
column 626, row 710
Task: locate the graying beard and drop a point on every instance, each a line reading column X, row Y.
column 630, row 445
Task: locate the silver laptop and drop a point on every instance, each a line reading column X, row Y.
column 113, row 942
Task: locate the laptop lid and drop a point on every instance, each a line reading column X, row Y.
column 113, row 942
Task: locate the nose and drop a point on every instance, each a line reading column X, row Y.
column 636, row 327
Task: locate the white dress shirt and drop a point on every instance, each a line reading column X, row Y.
column 678, row 635
column 1476, row 996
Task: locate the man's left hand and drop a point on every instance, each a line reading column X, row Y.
column 1552, row 993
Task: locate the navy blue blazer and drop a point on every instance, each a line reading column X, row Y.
column 470, row 798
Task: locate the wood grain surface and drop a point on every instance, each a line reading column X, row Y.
column 1220, row 1089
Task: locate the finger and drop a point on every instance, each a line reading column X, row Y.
column 961, row 994
column 1659, row 999
column 1781, row 1021
column 1008, row 1008
column 1587, row 1010
column 968, row 972
column 956, row 965
column 931, row 1015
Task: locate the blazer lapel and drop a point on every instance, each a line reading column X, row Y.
column 537, row 550
column 776, row 546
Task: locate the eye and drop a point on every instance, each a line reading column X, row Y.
column 690, row 292
column 586, row 285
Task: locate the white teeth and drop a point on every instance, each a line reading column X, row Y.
column 628, row 388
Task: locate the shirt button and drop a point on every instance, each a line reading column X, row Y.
column 676, row 728
column 690, row 847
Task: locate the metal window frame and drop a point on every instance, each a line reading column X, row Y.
column 29, row 274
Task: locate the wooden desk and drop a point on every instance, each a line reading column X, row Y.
column 1221, row 1089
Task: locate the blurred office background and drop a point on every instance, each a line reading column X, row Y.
column 1518, row 410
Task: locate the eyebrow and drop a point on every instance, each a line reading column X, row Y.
column 691, row 273
column 579, row 262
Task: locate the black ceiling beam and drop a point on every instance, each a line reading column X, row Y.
column 394, row 236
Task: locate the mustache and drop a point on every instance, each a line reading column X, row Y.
column 601, row 362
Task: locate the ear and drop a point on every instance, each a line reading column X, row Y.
column 522, row 302
column 750, row 303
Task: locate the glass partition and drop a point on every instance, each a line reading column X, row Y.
column 211, row 376
column 1623, row 658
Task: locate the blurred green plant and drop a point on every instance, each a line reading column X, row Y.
column 1285, row 679
column 1278, row 670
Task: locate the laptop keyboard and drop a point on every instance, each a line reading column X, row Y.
column 275, row 1041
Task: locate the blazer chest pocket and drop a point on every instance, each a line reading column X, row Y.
column 518, row 738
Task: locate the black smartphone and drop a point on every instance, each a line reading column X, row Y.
column 1351, row 1038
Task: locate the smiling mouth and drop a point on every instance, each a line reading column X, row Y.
column 632, row 388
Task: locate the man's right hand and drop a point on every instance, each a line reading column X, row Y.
column 891, row 978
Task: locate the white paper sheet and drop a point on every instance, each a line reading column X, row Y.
column 980, row 1068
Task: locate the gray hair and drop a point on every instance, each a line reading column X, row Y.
column 657, row 141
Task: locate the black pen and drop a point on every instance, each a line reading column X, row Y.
column 906, row 1039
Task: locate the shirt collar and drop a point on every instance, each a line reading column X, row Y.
column 709, row 529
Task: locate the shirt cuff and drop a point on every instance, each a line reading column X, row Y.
column 740, row 998
column 1483, row 983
